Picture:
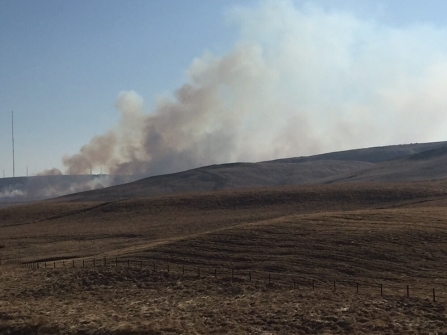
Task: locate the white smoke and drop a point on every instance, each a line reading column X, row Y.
column 300, row 81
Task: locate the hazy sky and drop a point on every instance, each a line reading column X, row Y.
column 329, row 75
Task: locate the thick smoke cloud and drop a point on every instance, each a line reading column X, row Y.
column 300, row 81
column 200, row 125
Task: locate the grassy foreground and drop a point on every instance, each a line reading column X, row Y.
column 367, row 234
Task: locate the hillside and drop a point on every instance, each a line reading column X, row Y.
column 163, row 265
column 80, row 228
column 351, row 233
column 381, row 164
column 378, row 164
column 425, row 165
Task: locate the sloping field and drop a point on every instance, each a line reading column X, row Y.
column 366, row 234
column 79, row 229
column 394, row 245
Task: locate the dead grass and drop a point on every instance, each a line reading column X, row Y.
column 131, row 301
column 393, row 234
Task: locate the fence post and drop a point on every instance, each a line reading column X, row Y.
column 83, row 263
column 293, row 282
column 73, row 263
column 45, row 265
column 215, row 273
column 232, row 274
column 63, row 263
column 434, row 296
column 249, row 275
column 198, row 272
column 334, row 286
column 357, row 288
column 37, row 265
column 94, row 262
column 116, row 261
column 128, row 263
column 153, row 266
column 54, row 265
column 381, row 289
column 168, row 268
column 183, row 269
column 408, row 290
column 313, row 284
column 269, row 278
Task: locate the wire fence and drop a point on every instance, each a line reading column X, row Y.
column 436, row 292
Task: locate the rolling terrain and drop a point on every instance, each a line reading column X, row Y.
column 397, row 163
column 363, row 226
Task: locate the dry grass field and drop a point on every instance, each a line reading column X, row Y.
column 370, row 234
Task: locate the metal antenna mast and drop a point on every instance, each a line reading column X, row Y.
column 13, row 161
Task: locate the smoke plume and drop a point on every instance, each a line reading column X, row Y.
column 299, row 81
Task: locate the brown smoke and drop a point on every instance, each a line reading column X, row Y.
column 199, row 126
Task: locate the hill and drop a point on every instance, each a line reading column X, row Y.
column 370, row 164
column 399, row 163
column 183, row 250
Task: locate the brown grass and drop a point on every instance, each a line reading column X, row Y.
column 370, row 234
column 133, row 301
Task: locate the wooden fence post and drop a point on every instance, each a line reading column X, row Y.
column 73, row 264
column 408, row 290
column 381, row 289
column 83, row 263
column 313, row 284
column 116, row 261
column 63, row 263
column 249, row 276
column 269, row 279
column 434, row 296
column 198, row 272
column 232, row 274
column 45, row 265
column 94, row 262
column 168, row 268
column 54, row 265
column 334, row 286
column 128, row 263
column 357, row 288
column 183, row 269
column 215, row 273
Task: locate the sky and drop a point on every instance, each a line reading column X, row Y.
column 160, row 86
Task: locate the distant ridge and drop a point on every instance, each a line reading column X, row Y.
column 396, row 163
column 370, row 155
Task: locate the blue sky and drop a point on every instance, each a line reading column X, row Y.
column 63, row 64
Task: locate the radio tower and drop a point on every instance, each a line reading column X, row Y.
column 13, row 162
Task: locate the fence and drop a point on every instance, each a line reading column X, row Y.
column 435, row 293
